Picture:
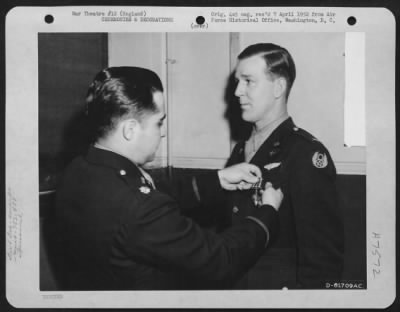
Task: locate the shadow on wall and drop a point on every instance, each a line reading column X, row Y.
column 239, row 129
column 76, row 138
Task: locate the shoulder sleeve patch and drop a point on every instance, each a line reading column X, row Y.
column 320, row 160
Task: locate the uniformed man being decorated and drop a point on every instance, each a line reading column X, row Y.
column 309, row 250
column 116, row 230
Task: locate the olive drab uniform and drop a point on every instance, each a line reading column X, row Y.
column 309, row 249
column 115, row 231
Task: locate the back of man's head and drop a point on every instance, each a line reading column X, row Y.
column 119, row 93
column 278, row 61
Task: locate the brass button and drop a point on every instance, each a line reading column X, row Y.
column 235, row 209
column 122, row 172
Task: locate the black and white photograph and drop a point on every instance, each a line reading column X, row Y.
column 206, row 167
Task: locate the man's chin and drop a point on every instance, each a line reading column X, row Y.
column 246, row 117
column 150, row 159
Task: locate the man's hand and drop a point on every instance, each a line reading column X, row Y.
column 239, row 177
column 271, row 196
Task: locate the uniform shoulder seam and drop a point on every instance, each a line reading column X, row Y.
column 305, row 135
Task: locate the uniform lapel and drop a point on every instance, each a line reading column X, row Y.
column 237, row 155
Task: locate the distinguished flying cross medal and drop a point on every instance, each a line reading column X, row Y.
column 257, row 196
column 320, row 160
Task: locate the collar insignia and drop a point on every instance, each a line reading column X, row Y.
column 144, row 189
column 273, row 152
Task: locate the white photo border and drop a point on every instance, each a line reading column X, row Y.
column 22, row 201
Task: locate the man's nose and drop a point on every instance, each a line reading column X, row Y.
column 239, row 89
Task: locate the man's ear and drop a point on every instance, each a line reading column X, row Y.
column 129, row 128
column 280, row 86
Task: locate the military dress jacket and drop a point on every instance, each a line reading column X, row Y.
column 116, row 232
column 309, row 250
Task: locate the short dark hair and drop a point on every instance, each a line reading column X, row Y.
column 118, row 93
column 279, row 62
